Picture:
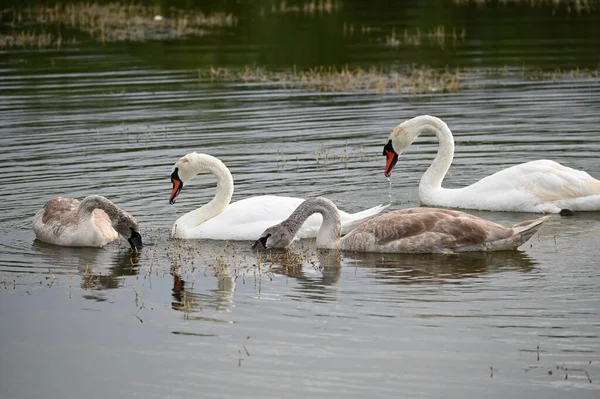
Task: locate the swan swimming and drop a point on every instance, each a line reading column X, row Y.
column 413, row 230
column 538, row 186
column 244, row 219
column 93, row 222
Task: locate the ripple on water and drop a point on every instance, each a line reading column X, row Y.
column 418, row 323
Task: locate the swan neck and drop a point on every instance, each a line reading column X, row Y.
column 202, row 163
column 93, row 202
column 331, row 228
column 433, row 177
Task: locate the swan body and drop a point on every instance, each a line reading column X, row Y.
column 541, row 186
column 93, row 222
column 244, row 219
column 413, row 230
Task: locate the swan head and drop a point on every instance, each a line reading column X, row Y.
column 277, row 236
column 127, row 226
column 391, row 157
column 398, row 140
column 182, row 173
column 405, row 134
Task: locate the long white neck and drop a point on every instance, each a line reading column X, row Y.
column 431, row 182
column 329, row 233
column 201, row 163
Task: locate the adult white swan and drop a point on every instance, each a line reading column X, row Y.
column 536, row 186
column 414, row 230
column 241, row 220
column 93, row 222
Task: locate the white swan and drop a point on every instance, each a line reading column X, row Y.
column 241, row 220
column 93, row 222
column 536, row 186
column 414, row 230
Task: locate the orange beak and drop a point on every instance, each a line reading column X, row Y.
column 177, row 185
column 391, row 157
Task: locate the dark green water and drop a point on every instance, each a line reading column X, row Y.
column 209, row 319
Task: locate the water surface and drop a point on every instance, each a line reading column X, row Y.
column 211, row 319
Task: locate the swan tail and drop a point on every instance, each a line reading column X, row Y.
column 521, row 233
column 525, row 230
column 352, row 220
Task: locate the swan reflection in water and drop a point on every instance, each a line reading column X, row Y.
column 188, row 301
column 100, row 269
column 392, row 268
column 315, row 271
column 431, row 268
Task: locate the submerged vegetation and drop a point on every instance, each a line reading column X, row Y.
column 407, row 80
column 577, row 6
column 561, row 75
column 44, row 26
column 311, row 7
column 437, row 36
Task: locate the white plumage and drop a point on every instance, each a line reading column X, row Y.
column 538, row 186
column 244, row 219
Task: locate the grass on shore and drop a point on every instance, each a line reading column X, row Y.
column 44, row 26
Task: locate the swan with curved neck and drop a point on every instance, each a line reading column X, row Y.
column 537, row 186
column 93, row 222
column 414, row 230
column 244, row 219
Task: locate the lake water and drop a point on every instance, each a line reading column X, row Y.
column 210, row 318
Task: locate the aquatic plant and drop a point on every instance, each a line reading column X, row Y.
column 577, row 6
column 436, row 36
column 412, row 79
column 47, row 26
column 31, row 39
column 559, row 74
column 311, row 7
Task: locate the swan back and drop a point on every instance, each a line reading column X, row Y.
column 57, row 220
column 431, row 230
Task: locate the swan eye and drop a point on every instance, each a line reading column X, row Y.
column 175, row 175
column 388, row 148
